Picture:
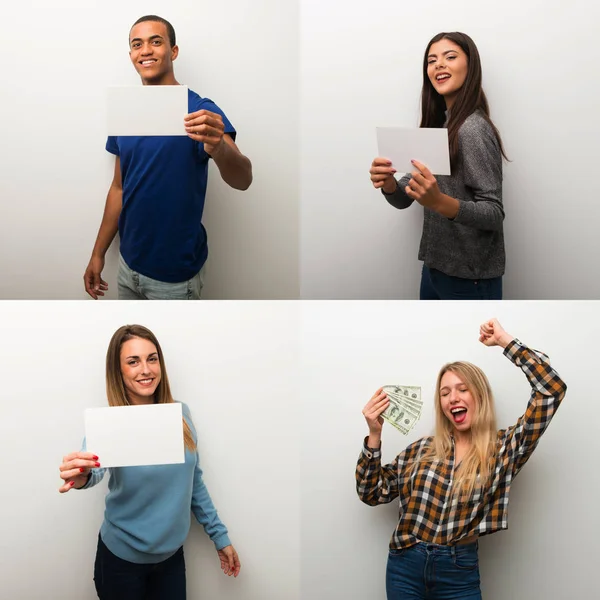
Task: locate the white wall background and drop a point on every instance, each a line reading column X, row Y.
column 362, row 68
column 55, row 172
column 350, row 349
column 232, row 363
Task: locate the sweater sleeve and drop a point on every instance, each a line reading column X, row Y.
column 202, row 505
column 547, row 392
column 205, row 511
column 96, row 475
column 481, row 162
column 399, row 199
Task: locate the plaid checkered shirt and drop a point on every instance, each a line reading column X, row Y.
column 427, row 511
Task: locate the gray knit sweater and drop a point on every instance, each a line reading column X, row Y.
column 472, row 244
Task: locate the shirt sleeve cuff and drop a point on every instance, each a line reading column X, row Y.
column 95, row 476
column 371, row 453
column 466, row 213
column 221, row 541
column 513, row 348
column 88, row 484
column 392, row 193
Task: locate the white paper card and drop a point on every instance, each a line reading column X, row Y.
column 127, row 436
column 427, row 145
column 147, row 109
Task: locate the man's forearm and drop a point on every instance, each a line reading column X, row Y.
column 235, row 168
column 110, row 221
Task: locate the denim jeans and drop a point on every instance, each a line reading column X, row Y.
column 135, row 286
column 436, row 285
column 432, row 572
column 118, row 579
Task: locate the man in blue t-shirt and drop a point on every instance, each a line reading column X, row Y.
column 156, row 198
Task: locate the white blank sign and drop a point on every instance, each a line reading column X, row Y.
column 127, row 436
column 147, row 110
column 427, row 145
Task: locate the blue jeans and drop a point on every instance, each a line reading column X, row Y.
column 135, row 286
column 118, row 579
column 436, row 285
column 432, row 572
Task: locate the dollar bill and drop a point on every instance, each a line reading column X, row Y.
column 400, row 418
column 410, row 396
column 408, row 392
column 413, row 406
column 400, row 414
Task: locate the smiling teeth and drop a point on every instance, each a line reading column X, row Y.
column 455, row 410
column 145, row 380
column 443, row 77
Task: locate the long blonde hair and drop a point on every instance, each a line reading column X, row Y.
column 115, row 388
column 477, row 462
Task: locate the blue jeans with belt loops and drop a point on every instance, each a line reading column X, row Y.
column 135, row 286
column 433, row 572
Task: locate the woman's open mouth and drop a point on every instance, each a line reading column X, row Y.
column 459, row 414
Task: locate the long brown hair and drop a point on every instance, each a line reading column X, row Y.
column 470, row 97
column 115, row 388
column 477, row 461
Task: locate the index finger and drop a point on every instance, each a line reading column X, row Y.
column 193, row 115
column 82, row 455
column 379, row 396
column 380, row 160
column 376, row 395
column 203, row 113
column 421, row 167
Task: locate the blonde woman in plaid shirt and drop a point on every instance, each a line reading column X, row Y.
column 453, row 486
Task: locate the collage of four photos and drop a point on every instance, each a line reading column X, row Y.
column 312, row 175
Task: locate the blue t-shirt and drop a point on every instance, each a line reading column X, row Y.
column 148, row 508
column 164, row 187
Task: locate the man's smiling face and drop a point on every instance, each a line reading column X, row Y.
column 151, row 52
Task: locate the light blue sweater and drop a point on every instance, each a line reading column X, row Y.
column 147, row 516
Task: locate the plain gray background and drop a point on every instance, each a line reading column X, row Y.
column 55, row 172
column 362, row 68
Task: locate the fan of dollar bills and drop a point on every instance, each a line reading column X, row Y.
column 405, row 406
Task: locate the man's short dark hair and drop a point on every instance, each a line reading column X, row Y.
column 170, row 30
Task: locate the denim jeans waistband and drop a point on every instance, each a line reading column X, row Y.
column 426, row 548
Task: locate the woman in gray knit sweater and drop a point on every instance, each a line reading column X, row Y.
column 462, row 246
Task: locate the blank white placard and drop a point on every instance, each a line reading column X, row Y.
column 147, row 109
column 427, row 145
column 127, row 436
